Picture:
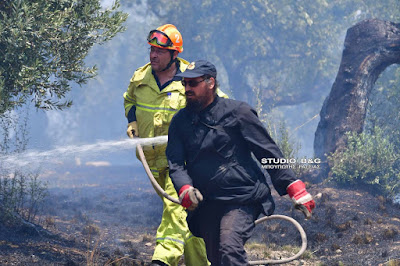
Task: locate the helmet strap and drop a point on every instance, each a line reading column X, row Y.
column 170, row 61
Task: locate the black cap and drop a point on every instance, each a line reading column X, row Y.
column 199, row 68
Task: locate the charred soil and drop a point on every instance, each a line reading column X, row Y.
column 111, row 219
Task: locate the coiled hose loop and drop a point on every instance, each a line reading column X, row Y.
column 263, row 219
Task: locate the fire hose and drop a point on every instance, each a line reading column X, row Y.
column 263, row 219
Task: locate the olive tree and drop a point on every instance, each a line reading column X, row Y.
column 43, row 44
column 289, row 49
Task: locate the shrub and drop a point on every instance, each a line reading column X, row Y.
column 369, row 160
column 21, row 192
column 91, row 229
column 282, row 135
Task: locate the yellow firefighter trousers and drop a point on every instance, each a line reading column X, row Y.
column 173, row 235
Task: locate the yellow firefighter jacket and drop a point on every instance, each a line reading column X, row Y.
column 155, row 109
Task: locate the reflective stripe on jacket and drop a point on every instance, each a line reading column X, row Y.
column 155, row 108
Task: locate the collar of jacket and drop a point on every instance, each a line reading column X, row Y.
column 144, row 76
column 175, row 78
column 210, row 106
column 204, row 116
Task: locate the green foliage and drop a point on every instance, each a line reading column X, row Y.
column 43, row 45
column 370, row 161
column 291, row 47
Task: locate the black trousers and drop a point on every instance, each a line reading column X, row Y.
column 225, row 229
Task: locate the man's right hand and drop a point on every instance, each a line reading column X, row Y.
column 132, row 130
column 190, row 197
column 302, row 200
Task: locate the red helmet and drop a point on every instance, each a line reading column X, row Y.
column 166, row 36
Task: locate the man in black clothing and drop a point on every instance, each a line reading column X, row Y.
column 210, row 147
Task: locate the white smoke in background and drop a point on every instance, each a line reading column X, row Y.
column 63, row 127
column 396, row 199
column 107, row 3
column 98, row 164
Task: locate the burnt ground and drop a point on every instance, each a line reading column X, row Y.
column 109, row 216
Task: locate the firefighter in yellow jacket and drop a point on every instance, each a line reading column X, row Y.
column 153, row 97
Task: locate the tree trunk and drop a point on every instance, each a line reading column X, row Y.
column 370, row 46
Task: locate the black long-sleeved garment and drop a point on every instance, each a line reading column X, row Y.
column 212, row 151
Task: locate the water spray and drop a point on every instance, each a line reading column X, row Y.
column 29, row 157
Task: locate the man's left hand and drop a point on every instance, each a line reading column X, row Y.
column 301, row 198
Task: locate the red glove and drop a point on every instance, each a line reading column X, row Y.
column 301, row 198
column 190, row 197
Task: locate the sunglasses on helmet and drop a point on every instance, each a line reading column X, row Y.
column 159, row 38
column 191, row 83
